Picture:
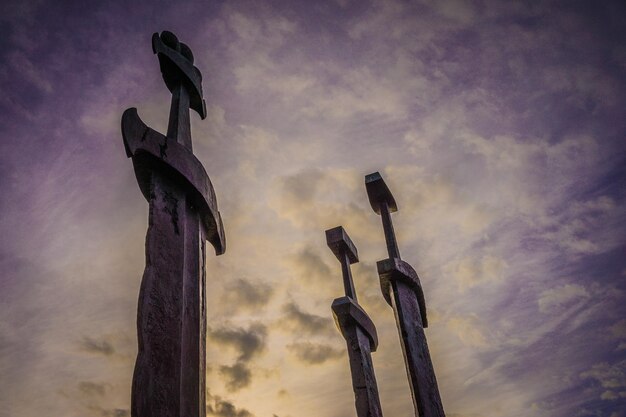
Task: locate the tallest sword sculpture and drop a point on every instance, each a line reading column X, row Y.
column 169, row 377
column 402, row 290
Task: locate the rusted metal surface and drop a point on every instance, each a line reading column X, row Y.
column 169, row 377
column 402, row 289
column 340, row 244
column 356, row 327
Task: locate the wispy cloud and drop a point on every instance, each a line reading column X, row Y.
column 314, row 354
column 301, row 322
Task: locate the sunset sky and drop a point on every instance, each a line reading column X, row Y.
column 500, row 127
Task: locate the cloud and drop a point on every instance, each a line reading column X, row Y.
column 463, row 415
column 92, row 388
column 320, row 88
column 561, row 296
column 314, row 353
column 116, row 412
column 23, row 67
column 584, row 227
column 96, row 398
column 246, row 294
column 472, row 271
column 314, row 200
column 619, row 329
column 97, row 346
column 308, row 263
column 247, row 342
column 611, row 376
column 456, row 10
column 217, row 406
column 237, row 376
column 470, row 330
column 301, row 322
column 359, row 91
column 612, row 395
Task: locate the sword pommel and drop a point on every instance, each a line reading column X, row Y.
column 378, row 193
column 339, row 243
column 384, row 204
column 176, row 62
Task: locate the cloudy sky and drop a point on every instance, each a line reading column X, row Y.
column 499, row 126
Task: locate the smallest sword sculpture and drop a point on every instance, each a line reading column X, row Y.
column 402, row 290
column 356, row 327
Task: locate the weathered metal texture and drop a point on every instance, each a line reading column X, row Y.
column 395, row 269
column 151, row 151
column 356, row 327
column 169, row 376
column 348, row 312
column 401, row 288
column 383, row 203
column 341, row 245
column 361, row 339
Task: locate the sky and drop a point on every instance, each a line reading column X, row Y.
column 498, row 126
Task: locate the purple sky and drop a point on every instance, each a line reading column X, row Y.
column 499, row 126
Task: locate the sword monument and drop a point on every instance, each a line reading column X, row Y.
column 402, row 290
column 169, row 376
column 356, row 327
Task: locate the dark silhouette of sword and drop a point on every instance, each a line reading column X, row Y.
column 402, row 290
column 169, row 377
column 356, row 327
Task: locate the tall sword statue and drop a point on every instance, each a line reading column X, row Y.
column 356, row 327
column 169, row 377
column 402, row 290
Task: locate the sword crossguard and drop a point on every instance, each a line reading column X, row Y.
column 383, row 203
column 390, row 270
column 341, row 245
column 151, row 151
column 348, row 313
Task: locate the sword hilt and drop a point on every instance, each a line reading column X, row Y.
column 383, row 203
column 341, row 245
column 184, row 80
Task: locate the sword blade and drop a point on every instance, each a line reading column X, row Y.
column 364, row 384
column 169, row 374
column 422, row 380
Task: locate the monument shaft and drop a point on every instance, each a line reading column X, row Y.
column 169, row 378
column 419, row 367
column 351, row 320
column 366, row 396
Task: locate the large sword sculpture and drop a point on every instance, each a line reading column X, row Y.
column 169, row 377
column 356, row 327
column 402, row 290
